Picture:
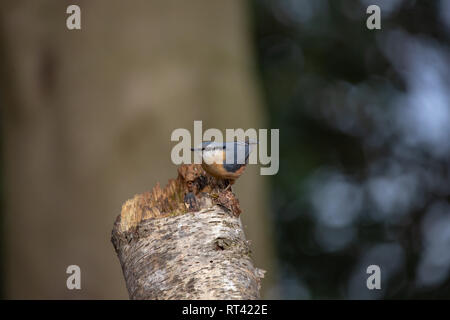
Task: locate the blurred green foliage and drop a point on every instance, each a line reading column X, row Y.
column 364, row 152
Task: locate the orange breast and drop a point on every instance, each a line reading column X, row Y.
column 217, row 170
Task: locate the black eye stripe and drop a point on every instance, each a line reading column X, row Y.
column 214, row 148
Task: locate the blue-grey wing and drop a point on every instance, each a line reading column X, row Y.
column 237, row 153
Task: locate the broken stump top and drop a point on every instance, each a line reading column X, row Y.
column 191, row 191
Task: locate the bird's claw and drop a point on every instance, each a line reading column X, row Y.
column 190, row 201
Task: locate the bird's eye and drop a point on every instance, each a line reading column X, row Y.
column 223, row 147
column 203, row 149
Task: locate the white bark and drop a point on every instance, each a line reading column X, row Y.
column 200, row 255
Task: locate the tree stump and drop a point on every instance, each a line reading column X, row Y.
column 185, row 241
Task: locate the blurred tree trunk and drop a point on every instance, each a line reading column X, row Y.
column 87, row 117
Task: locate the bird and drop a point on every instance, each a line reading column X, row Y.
column 225, row 160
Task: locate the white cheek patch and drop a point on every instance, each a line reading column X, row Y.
column 213, row 156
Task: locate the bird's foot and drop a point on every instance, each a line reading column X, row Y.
column 190, row 201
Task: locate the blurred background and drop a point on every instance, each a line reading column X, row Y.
column 364, row 136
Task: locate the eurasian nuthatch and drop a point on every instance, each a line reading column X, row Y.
column 226, row 160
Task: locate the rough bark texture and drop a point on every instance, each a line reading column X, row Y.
column 170, row 251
